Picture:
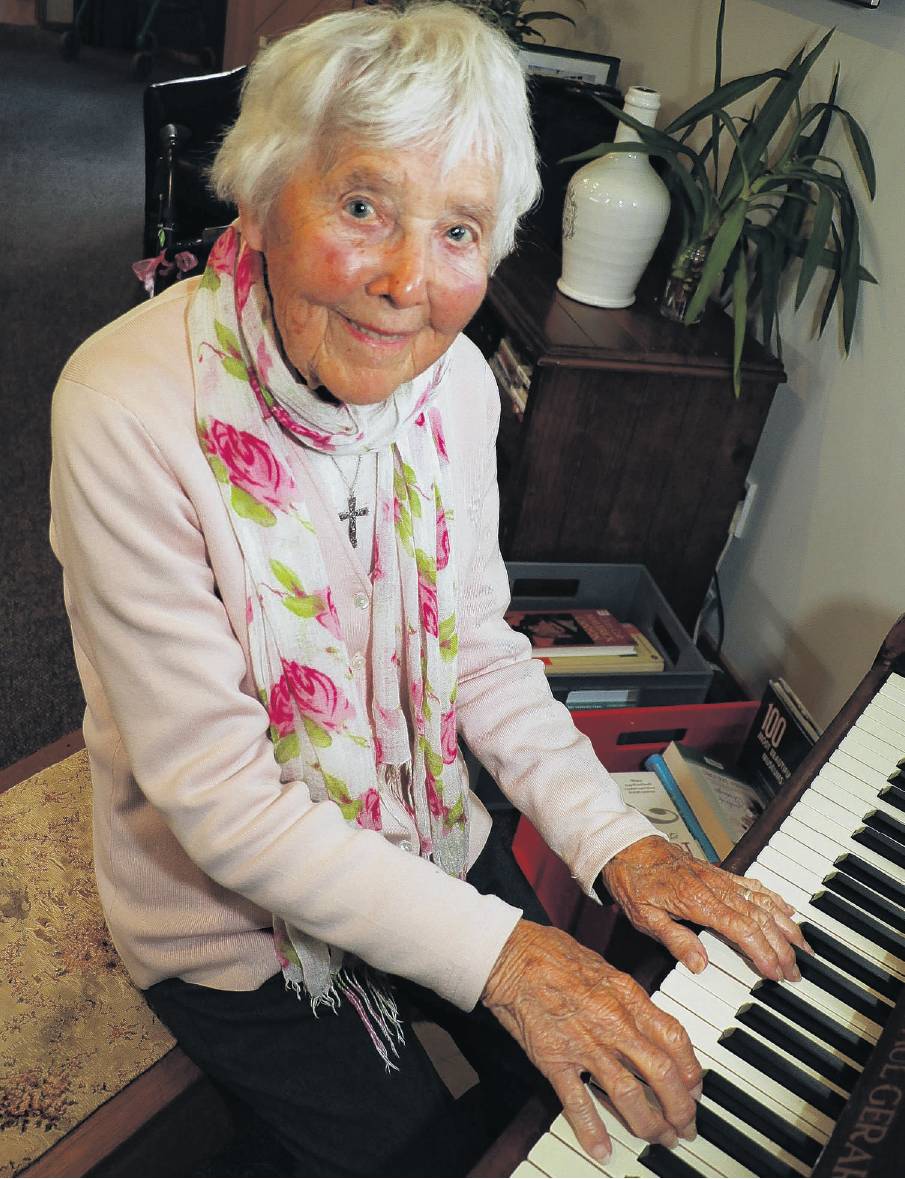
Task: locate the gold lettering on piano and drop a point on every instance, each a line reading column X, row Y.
column 875, row 1116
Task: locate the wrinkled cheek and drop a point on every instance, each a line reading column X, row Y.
column 460, row 301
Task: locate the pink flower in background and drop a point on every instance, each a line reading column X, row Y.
column 369, row 815
column 427, row 603
column 329, row 618
column 317, row 696
column 449, row 743
column 250, row 464
column 280, row 708
column 439, row 438
column 442, row 540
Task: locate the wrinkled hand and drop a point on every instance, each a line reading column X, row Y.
column 573, row 1013
column 659, row 884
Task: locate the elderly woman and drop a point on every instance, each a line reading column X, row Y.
column 274, row 502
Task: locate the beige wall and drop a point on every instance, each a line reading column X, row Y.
column 247, row 21
column 819, row 577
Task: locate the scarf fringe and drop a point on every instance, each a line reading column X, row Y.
column 374, row 1004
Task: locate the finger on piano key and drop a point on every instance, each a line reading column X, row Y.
column 795, row 1046
column 833, row 1004
column 701, row 1155
column 527, row 1170
column 801, row 900
column 707, row 1044
column 553, row 1157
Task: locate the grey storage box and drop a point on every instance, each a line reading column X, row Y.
column 630, row 593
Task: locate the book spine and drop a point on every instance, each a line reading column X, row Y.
column 656, row 763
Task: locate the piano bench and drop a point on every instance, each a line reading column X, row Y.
column 90, row 1081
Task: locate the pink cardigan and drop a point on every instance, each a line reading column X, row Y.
column 196, row 840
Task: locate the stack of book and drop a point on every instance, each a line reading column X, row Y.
column 644, row 791
column 512, row 374
column 585, row 642
column 716, row 806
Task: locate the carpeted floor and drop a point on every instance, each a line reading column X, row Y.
column 72, row 192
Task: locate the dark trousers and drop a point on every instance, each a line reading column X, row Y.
column 318, row 1085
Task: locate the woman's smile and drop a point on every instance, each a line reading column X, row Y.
column 375, row 265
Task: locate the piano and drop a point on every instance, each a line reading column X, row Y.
column 800, row 1078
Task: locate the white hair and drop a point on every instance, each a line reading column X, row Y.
column 435, row 76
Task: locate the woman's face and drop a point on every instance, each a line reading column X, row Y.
column 375, row 264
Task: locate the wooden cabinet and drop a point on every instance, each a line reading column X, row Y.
column 632, row 446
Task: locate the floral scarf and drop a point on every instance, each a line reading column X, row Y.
column 252, row 410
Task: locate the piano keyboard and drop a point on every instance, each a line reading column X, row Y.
column 781, row 1059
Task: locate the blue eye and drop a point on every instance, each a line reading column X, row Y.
column 359, row 209
column 460, row 234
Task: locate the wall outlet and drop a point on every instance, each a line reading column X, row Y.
column 743, row 511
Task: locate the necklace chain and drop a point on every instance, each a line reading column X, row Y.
column 350, row 487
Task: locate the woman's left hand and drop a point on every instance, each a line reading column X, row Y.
column 659, row 884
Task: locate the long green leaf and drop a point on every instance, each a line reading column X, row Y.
column 723, row 244
column 757, row 137
column 820, row 229
column 851, row 256
column 834, row 285
column 722, row 97
column 740, row 313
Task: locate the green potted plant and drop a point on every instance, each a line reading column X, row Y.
column 777, row 200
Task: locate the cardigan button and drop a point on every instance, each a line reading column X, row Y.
column 358, row 662
column 361, row 601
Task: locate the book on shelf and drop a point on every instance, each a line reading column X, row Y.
column 591, row 699
column 717, row 806
column 571, row 633
column 643, row 790
column 645, row 660
column 782, row 733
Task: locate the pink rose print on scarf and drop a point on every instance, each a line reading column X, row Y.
column 442, row 540
column 439, row 438
column 245, row 277
column 427, row 604
column 317, row 696
column 417, row 695
column 250, row 464
column 434, row 801
column 369, row 815
column 378, row 752
column 329, row 619
column 377, row 571
column 223, row 254
column 449, row 745
column 280, row 708
column 317, row 440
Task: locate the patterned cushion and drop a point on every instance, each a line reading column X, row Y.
column 74, row 1030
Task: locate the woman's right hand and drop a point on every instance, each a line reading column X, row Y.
column 574, row 1014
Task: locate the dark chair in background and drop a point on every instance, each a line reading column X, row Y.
column 184, row 122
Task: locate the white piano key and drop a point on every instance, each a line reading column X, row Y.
column 728, row 960
column 721, row 1014
column 796, row 896
column 855, row 804
column 884, row 704
column 833, row 777
column 706, row 1039
column 808, row 824
column 623, row 1156
column 851, row 765
column 527, row 1170
column 555, row 1158
column 894, row 686
column 794, row 1165
column 886, row 727
column 872, row 751
column 827, row 861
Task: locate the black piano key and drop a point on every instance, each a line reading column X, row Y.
column 737, row 1145
column 867, row 899
column 818, row 1023
column 663, row 1162
column 855, row 919
column 894, row 794
column 887, row 825
column 822, row 975
column 851, row 961
column 889, row 849
column 753, row 1113
column 821, row 1060
column 873, row 877
column 740, row 1043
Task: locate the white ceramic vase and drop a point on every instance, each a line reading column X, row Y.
column 614, row 216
